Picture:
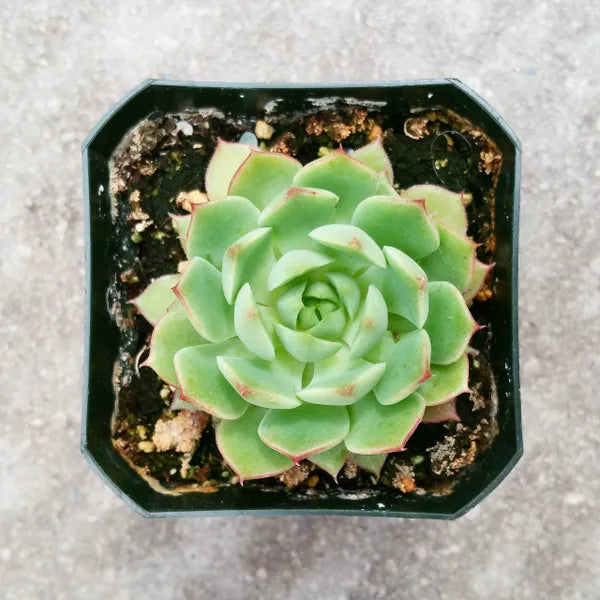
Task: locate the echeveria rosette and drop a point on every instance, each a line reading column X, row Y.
column 321, row 314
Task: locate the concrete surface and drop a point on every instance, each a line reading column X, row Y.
column 63, row 534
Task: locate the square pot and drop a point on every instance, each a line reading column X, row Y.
column 102, row 335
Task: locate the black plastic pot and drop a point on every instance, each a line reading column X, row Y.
column 101, row 334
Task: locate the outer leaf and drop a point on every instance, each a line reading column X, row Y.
column 178, row 403
column 405, row 288
column 303, row 346
column 339, row 380
column 347, row 290
column 452, row 261
column 263, row 176
column 449, row 324
column 440, row 413
column 181, row 224
column 270, row 384
column 225, row 161
column 155, row 300
column 201, row 382
column 295, row 213
column 383, row 187
column 305, row 430
column 369, row 462
column 373, row 155
column 200, row 291
column 172, row 333
column 392, row 221
column 290, row 303
column 375, row 429
column 294, row 264
column 350, row 241
column 480, row 271
column 248, row 260
column 448, row 381
column 407, row 368
column 331, row 460
column 444, row 206
column 216, row 225
column 347, row 178
column 249, row 325
column 244, row 451
column 371, row 323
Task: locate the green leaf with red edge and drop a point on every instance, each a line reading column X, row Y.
column 250, row 326
column 478, row 275
column 452, row 261
column 243, row 450
column 223, row 164
column 449, row 323
column 172, row 333
column 248, row 260
column 332, row 460
column 155, row 300
column 369, row 462
column 202, row 384
column 341, row 380
column 217, row 225
column 305, row 430
column 295, row 213
column 346, row 177
column 270, row 384
column 181, row 224
column 407, row 367
column 377, row 429
column 447, row 382
column 393, row 221
column 374, row 155
column 444, row 206
column 440, row 413
column 263, row 176
column 200, row 291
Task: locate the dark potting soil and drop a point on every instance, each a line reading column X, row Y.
column 167, row 154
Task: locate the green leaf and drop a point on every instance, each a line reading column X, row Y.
column 201, row 382
column 200, row 291
column 331, row 460
column 244, row 451
column 369, row 462
column 305, row 430
column 405, row 288
column 178, row 403
column 295, row 263
column 439, row 413
column 290, row 303
column 448, row 381
column 407, row 368
column 172, row 333
column 155, row 300
column 249, row 325
column 303, row 346
column 371, row 323
column 449, row 323
column 349, row 241
column 270, row 384
column 181, row 224
column 444, row 206
column 340, row 380
column 347, row 290
column 452, row 261
column 375, row 429
column 346, row 177
column 478, row 275
column 295, row 213
column 248, row 260
column 225, row 161
column 263, row 176
column 216, row 225
column 373, row 155
column 402, row 224
column 383, row 187
column 319, row 290
column 330, row 326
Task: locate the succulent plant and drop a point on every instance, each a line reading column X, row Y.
column 320, row 312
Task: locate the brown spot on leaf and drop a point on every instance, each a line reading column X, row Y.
column 242, row 389
column 354, row 244
column 368, row 323
column 345, row 390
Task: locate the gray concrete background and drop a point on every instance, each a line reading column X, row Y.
column 63, row 533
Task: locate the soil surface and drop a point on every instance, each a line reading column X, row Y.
column 152, row 174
